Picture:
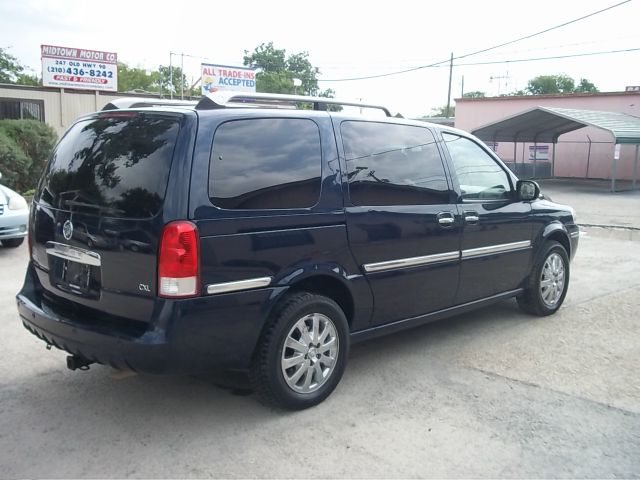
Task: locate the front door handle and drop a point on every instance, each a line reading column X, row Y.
column 446, row 219
column 471, row 217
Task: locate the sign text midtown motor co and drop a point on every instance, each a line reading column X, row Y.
column 79, row 68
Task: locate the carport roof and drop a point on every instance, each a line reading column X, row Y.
column 545, row 125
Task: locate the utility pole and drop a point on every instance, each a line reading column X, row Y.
column 171, row 75
column 182, row 76
column 462, row 88
column 449, row 94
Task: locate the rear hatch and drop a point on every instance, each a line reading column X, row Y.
column 97, row 215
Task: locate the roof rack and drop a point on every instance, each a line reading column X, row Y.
column 121, row 103
column 223, row 99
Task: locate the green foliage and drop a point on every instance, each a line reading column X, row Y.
column 544, row 84
column 277, row 71
column 14, row 163
column 549, row 84
column 585, row 86
column 442, row 111
column 474, row 94
column 25, row 146
column 156, row 81
column 132, row 78
column 12, row 71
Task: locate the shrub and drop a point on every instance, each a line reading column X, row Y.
column 14, row 163
column 25, row 146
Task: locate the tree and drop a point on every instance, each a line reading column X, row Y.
column 157, row 81
column 474, row 94
column 167, row 80
column 277, row 71
column 442, row 111
column 585, row 86
column 12, row 71
column 544, row 84
column 549, row 84
column 132, row 78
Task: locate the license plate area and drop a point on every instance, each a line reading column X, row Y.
column 68, row 271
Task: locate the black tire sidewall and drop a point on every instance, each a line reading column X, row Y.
column 550, row 248
column 281, row 391
column 12, row 242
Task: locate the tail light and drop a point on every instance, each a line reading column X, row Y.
column 179, row 261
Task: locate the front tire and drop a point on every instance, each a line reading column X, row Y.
column 12, row 242
column 302, row 353
column 548, row 283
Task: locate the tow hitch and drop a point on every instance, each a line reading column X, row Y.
column 75, row 362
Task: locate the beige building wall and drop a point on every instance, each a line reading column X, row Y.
column 62, row 107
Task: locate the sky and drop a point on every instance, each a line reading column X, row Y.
column 348, row 39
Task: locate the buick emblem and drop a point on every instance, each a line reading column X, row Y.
column 67, row 230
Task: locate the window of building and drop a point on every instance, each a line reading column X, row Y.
column 389, row 164
column 16, row 109
column 479, row 175
column 266, row 163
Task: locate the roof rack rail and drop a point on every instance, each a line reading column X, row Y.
column 128, row 102
column 223, row 99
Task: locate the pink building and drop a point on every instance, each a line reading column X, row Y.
column 576, row 152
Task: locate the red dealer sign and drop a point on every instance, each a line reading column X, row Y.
column 66, row 67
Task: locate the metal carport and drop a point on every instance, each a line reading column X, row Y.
column 545, row 125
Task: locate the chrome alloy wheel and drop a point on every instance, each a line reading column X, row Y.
column 310, row 353
column 552, row 280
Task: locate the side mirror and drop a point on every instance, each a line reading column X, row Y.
column 528, row 190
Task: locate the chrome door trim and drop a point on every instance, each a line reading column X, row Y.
column 239, row 285
column 74, row 254
column 411, row 262
column 493, row 249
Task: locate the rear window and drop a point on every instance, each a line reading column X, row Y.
column 115, row 165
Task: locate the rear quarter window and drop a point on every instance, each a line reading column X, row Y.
column 265, row 163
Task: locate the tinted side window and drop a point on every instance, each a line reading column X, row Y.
column 265, row 163
column 479, row 175
column 391, row 164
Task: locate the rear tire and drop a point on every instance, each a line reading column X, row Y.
column 302, row 353
column 12, row 242
column 548, row 283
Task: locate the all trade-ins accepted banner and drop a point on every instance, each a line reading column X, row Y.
column 79, row 68
column 222, row 77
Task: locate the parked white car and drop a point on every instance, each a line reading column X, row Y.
column 14, row 217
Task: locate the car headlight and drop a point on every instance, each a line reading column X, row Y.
column 17, row 203
column 574, row 216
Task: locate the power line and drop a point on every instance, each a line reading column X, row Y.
column 543, row 58
column 402, row 63
column 526, row 37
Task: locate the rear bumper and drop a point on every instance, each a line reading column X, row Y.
column 188, row 336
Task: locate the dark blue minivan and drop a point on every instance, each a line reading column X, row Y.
column 245, row 232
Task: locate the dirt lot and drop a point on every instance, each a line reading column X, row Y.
column 495, row 393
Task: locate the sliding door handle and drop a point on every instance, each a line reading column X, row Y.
column 446, row 219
